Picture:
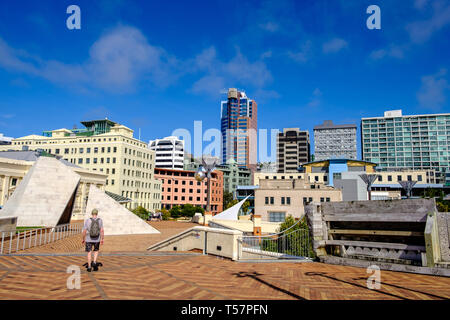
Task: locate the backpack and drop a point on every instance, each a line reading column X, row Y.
column 94, row 230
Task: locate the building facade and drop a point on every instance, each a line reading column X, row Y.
column 277, row 199
column 179, row 187
column 239, row 118
column 5, row 140
column 334, row 141
column 108, row 148
column 233, row 175
column 293, row 149
column 169, row 152
column 411, row 142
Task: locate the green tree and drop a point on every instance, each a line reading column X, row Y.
column 244, row 208
column 189, row 210
column 295, row 241
column 175, row 212
column 165, row 213
column 141, row 212
column 227, row 198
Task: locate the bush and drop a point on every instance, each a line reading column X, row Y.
column 165, row 214
column 141, row 212
column 175, row 212
column 189, row 210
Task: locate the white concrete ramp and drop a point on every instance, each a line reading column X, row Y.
column 117, row 220
column 43, row 195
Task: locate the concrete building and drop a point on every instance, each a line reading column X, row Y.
column 105, row 147
column 344, row 174
column 14, row 165
column 169, row 152
column 239, row 124
column 5, row 140
column 179, row 187
column 413, row 142
column 277, row 199
column 233, row 175
column 293, row 149
column 334, row 141
column 269, row 167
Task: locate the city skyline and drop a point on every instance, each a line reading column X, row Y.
column 319, row 59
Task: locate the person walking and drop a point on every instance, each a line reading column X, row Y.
column 93, row 236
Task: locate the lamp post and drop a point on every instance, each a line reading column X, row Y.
column 204, row 171
column 369, row 179
column 407, row 186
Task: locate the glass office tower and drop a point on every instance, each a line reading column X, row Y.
column 238, row 126
column 408, row 142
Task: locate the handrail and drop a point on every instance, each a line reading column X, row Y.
column 36, row 237
column 275, row 234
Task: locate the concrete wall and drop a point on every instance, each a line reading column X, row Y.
column 8, row 224
column 214, row 241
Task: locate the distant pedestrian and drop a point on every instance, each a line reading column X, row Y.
column 93, row 236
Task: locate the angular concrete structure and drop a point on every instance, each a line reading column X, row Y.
column 45, row 197
column 117, row 220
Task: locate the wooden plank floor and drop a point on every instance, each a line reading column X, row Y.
column 204, row 277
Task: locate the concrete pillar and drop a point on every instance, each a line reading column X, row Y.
column 5, row 189
column 208, row 217
column 256, row 225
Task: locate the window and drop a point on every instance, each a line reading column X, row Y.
column 399, row 178
column 277, row 216
column 419, row 177
column 272, row 200
column 282, row 201
column 389, row 178
column 288, row 201
column 380, row 178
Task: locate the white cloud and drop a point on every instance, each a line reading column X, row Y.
column 270, row 26
column 432, row 93
column 316, row 99
column 122, row 60
column 117, row 62
column 222, row 74
column 334, row 45
column 420, row 31
column 303, row 54
column 393, row 52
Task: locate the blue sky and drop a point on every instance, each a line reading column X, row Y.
column 161, row 65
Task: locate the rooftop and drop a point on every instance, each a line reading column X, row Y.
column 328, row 124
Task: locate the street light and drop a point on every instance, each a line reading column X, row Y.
column 407, row 186
column 369, row 179
column 204, row 171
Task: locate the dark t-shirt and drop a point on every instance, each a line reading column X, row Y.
column 87, row 226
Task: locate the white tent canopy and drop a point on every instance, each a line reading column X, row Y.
column 230, row 213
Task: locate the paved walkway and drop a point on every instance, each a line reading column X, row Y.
column 143, row 276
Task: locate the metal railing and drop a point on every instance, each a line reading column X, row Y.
column 294, row 244
column 15, row 241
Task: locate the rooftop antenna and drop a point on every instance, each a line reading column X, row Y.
column 369, row 179
column 407, row 186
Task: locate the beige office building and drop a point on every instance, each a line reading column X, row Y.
column 277, row 199
column 108, row 148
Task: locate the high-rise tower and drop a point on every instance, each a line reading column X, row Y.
column 239, row 129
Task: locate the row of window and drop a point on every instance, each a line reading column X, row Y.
column 183, row 198
column 286, row 201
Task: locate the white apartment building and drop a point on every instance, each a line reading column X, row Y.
column 169, row 152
